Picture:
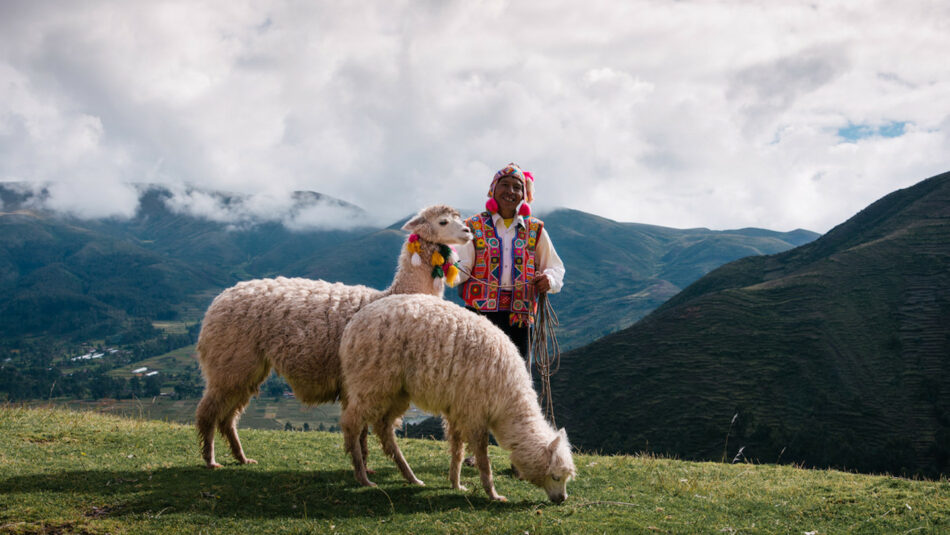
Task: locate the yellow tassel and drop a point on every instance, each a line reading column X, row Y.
column 437, row 259
column 414, row 247
column 451, row 275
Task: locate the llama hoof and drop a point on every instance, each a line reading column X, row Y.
column 365, row 482
column 212, row 465
column 462, row 488
column 248, row 461
column 499, row 498
column 418, row 482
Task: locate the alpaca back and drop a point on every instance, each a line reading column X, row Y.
column 294, row 324
column 447, row 359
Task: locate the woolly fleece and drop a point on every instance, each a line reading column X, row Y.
column 294, row 326
column 449, row 361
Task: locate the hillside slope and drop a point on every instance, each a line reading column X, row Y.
column 69, row 472
column 836, row 353
column 165, row 264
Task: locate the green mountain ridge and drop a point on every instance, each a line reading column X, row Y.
column 835, row 353
column 75, row 279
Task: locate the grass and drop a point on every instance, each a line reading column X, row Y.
column 82, row 472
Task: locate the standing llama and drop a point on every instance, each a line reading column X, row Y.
column 294, row 326
column 449, row 361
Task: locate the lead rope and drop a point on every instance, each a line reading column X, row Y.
column 543, row 347
column 545, row 351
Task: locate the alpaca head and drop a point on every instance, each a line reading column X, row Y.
column 549, row 468
column 439, row 224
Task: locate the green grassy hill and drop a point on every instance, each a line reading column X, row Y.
column 69, row 472
column 836, row 353
column 75, row 280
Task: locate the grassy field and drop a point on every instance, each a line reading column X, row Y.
column 82, row 472
column 174, row 327
column 174, row 361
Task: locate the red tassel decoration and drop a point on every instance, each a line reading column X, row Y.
column 491, row 205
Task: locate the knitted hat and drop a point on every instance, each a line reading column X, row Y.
column 527, row 182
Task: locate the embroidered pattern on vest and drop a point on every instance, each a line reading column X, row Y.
column 487, row 267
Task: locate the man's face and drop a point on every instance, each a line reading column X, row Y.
column 509, row 192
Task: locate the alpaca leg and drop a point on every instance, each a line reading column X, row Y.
column 479, row 442
column 352, row 427
column 456, row 451
column 236, row 403
column 228, row 428
column 365, row 450
column 386, row 432
column 206, row 419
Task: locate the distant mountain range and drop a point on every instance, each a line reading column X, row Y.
column 835, row 353
column 78, row 279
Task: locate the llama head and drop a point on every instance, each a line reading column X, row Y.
column 439, row 224
column 550, row 468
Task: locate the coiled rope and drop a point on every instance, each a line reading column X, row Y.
column 543, row 347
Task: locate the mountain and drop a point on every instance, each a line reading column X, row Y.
column 835, row 353
column 619, row 272
column 76, row 279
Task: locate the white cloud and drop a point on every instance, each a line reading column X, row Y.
column 719, row 114
column 296, row 212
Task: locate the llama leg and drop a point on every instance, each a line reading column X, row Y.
column 352, row 427
column 224, row 400
column 365, row 450
column 479, row 442
column 206, row 419
column 456, row 452
column 228, row 428
column 236, row 403
column 387, row 436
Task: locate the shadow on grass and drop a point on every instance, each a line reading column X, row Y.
column 252, row 492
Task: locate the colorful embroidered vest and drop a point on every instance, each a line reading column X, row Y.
column 481, row 290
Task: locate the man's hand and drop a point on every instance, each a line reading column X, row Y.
column 541, row 283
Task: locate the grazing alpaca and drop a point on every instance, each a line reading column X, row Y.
column 448, row 360
column 294, row 326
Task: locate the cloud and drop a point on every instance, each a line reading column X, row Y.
column 295, row 210
column 717, row 114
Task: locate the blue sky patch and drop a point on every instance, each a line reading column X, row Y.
column 854, row 132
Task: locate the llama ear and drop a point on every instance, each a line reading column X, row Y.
column 552, row 447
column 414, row 223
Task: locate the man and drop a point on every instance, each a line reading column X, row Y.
column 511, row 259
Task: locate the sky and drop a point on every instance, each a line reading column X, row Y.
column 719, row 114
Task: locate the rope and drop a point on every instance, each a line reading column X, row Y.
column 543, row 347
column 547, row 362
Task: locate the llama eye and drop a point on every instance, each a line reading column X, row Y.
column 443, row 223
column 555, row 478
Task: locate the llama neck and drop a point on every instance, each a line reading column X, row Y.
column 521, row 426
column 410, row 279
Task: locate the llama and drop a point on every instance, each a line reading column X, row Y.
column 449, row 361
column 294, row 326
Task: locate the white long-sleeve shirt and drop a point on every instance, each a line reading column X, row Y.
column 546, row 259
